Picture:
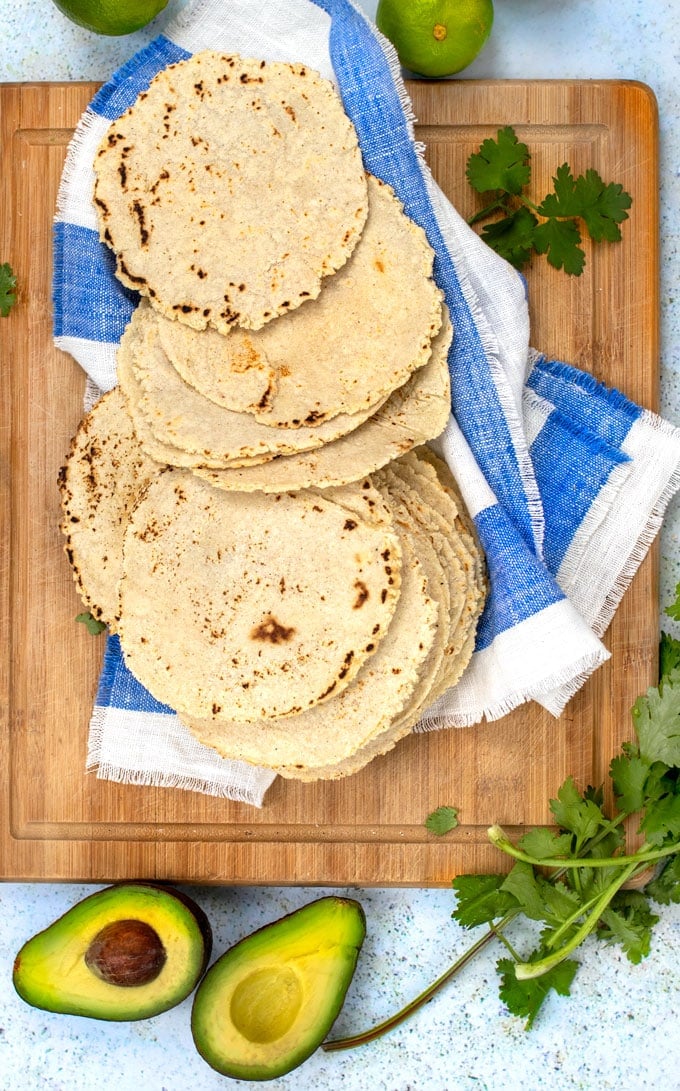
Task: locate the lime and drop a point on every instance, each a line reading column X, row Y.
column 111, row 16
column 435, row 37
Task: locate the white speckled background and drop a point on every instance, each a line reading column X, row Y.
column 621, row 1026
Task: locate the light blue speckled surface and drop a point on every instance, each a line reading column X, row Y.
column 621, row 1027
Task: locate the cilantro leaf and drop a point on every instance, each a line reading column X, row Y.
column 669, row 650
column 603, row 207
column 525, row 998
column 8, row 284
column 502, row 164
column 565, row 200
column 542, row 843
column 656, row 716
column 480, row 899
column 664, row 888
column 629, row 775
column 560, row 901
column 524, row 885
column 580, row 816
column 629, row 922
column 92, row 624
column 674, row 609
column 513, row 236
column 442, row 820
column 662, row 820
column 559, row 240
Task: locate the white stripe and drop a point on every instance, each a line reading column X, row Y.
column 537, row 410
column 532, row 658
column 453, row 448
column 155, row 748
column 74, row 199
column 264, row 30
column 97, row 358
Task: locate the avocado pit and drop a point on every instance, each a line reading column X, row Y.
column 127, row 953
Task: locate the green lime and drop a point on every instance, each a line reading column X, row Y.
column 111, row 16
column 435, row 37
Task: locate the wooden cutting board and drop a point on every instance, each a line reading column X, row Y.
column 56, row 821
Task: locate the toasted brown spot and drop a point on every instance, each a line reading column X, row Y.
column 128, row 275
column 143, row 230
column 272, row 631
column 362, row 594
column 347, row 664
column 266, row 397
column 327, row 691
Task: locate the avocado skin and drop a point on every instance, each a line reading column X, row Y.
column 324, row 935
column 50, row 971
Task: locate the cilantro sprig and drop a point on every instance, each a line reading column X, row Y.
column 502, row 169
column 8, row 285
column 576, row 879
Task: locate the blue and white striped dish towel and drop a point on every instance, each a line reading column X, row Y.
column 567, row 481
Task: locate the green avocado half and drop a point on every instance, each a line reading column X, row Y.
column 270, row 1000
column 127, row 952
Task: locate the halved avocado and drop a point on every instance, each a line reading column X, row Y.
column 127, row 952
column 270, row 1000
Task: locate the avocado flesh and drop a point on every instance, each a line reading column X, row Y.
column 269, row 1001
column 51, row 971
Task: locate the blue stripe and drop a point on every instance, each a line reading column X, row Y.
column 118, row 688
column 372, row 102
column 605, row 411
column 89, row 301
column 120, row 92
column 571, row 482
column 519, row 585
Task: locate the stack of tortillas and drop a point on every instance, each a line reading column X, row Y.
column 252, row 508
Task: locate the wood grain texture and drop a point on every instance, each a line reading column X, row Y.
column 57, row 822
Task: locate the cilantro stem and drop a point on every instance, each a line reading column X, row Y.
column 394, row 1020
column 501, row 204
column 645, row 855
column 530, row 204
column 526, row 970
column 556, row 936
column 498, row 205
column 506, row 943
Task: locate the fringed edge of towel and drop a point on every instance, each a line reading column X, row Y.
column 434, row 720
column 247, row 791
